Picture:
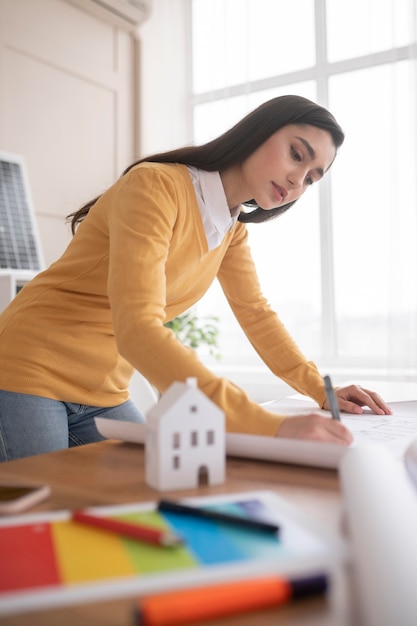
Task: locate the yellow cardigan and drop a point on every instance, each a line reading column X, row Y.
column 139, row 259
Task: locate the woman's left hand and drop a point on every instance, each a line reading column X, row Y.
column 352, row 398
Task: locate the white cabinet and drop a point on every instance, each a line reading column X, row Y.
column 11, row 282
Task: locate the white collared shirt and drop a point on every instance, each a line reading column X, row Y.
column 212, row 202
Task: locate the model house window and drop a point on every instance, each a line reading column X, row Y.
column 176, row 440
column 339, row 265
column 176, row 462
column 210, row 437
column 194, row 438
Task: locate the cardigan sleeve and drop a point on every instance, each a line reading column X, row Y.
column 265, row 331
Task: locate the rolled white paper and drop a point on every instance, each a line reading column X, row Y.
column 381, row 507
column 299, row 451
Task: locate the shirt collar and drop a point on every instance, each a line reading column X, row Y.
column 212, row 202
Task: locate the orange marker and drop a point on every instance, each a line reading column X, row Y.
column 205, row 603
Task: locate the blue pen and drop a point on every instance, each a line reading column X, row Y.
column 331, row 398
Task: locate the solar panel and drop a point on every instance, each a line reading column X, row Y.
column 19, row 241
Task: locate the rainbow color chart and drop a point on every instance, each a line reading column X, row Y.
column 49, row 560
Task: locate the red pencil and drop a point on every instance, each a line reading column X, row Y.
column 147, row 534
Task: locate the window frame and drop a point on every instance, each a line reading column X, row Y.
column 321, row 71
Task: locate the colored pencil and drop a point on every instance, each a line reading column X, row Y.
column 147, row 534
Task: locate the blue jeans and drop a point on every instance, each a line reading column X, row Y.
column 33, row 424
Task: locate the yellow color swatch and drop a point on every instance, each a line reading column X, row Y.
column 89, row 554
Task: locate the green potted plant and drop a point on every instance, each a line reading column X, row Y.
column 195, row 332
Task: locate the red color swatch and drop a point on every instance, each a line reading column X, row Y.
column 29, row 553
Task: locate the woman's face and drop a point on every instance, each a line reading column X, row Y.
column 286, row 164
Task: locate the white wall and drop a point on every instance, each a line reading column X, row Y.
column 163, row 77
column 66, row 105
column 81, row 99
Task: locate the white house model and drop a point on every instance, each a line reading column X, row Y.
column 185, row 439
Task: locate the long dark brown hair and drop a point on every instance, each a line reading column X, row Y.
column 236, row 144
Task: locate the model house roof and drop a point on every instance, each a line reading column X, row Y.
column 184, row 396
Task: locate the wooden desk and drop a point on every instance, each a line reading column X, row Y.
column 113, row 473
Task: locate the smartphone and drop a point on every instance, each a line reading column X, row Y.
column 18, row 498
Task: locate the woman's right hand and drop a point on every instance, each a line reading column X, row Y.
column 314, row 427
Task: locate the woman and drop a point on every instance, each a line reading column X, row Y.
column 144, row 252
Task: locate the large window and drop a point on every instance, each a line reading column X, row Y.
column 340, row 268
